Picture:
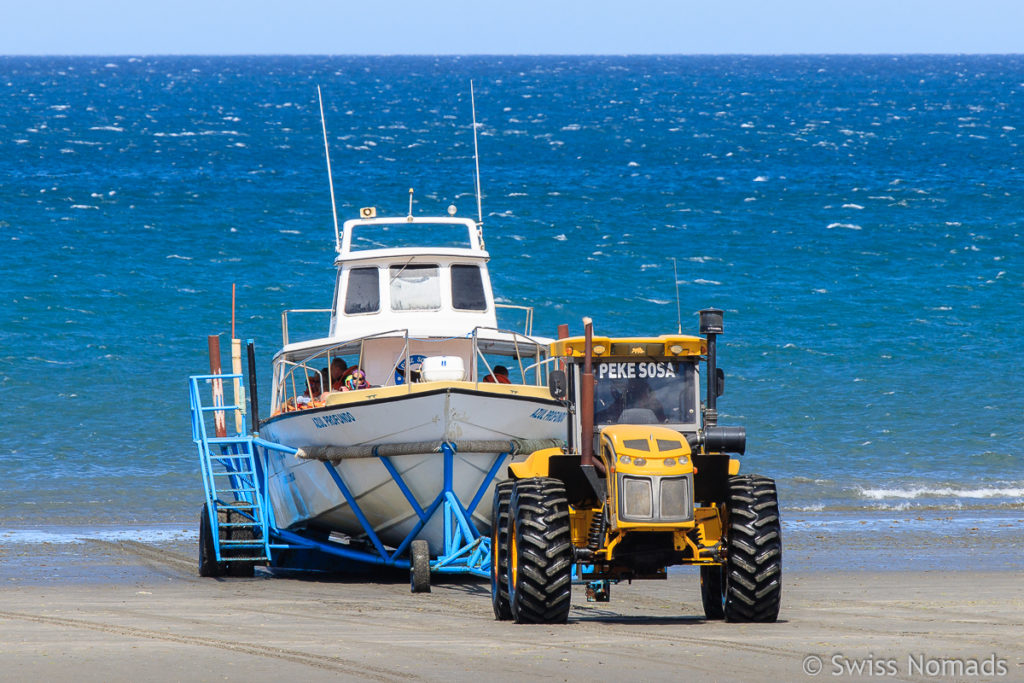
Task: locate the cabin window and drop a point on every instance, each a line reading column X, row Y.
column 415, row 288
column 645, row 392
column 468, row 288
column 363, row 295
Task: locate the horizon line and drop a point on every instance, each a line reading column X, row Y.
column 532, row 54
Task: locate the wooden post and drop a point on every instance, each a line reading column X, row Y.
column 239, row 395
column 213, row 341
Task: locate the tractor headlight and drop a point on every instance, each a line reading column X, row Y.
column 637, row 497
column 676, row 503
column 655, row 499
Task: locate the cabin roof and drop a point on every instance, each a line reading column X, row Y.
column 445, row 239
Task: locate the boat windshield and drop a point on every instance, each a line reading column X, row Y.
column 645, row 392
column 383, row 236
column 415, row 288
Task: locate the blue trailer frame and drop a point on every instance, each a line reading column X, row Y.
column 234, row 468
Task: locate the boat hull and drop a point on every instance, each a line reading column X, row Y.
column 310, row 492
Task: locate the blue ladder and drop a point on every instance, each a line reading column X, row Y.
column 233, row 482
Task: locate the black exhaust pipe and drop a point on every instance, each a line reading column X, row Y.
column 254, row 403
column 711, row 325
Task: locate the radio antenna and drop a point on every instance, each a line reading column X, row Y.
column 330, row 179
column 476, row 159
column 675, row 278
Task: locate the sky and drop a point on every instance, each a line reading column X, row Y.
column 512, row 27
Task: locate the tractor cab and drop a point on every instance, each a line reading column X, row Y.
column 637, row 381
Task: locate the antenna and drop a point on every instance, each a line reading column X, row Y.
column 410, row 204
column 330, row 180
column 675, row 278
column 476, row 160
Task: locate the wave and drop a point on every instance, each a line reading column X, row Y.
column 945, row 491
column 846, row 226
column 71, row 536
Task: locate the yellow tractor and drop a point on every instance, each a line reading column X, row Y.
column 645, row 482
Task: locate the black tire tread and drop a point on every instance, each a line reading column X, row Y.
column 499, row 550
column 419, row 566
column 712, row 590
column 208, row 565
column 753, row 576
column 539, row 516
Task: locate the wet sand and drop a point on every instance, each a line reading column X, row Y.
column 137, row 612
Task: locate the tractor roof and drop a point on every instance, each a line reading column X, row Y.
column 624, row 348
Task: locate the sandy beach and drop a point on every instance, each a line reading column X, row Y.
column 127, row 611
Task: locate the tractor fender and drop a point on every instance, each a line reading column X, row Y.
column 536, row 465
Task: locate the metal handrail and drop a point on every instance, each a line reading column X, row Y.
column 515, row 342
column 284, row 318
column 288, row 368
column 528, row 331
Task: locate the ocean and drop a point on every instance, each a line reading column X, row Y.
column 857, row 217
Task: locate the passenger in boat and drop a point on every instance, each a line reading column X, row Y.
column 313, row 392
column 356, row 379
column 500, row 375
column 338, row 371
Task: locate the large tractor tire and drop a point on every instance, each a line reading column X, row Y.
column 499, row 550
column 753, row 570
column 712, row 591
column 540, row 552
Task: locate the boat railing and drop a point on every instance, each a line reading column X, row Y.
column 528, row 324
column 286, row 389
column 293, row 375
column 540, row 364
column 538, row 378
column 288, row 400
column 284, row 318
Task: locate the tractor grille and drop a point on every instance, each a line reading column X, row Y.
column 655, row 499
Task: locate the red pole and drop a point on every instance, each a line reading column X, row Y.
column 587, row 396
column 213, row 342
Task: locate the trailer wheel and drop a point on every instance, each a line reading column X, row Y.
column 499, row 550
column 712, row 591
column 540, row 552
column 419, row 566
column 208, row 564
column 238, row 568
column 753, row 574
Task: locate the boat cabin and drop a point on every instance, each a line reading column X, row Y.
column 413, row 304
column 427, row 275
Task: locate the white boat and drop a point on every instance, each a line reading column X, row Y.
column 412, row 294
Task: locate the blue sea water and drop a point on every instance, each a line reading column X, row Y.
column 858, row 219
